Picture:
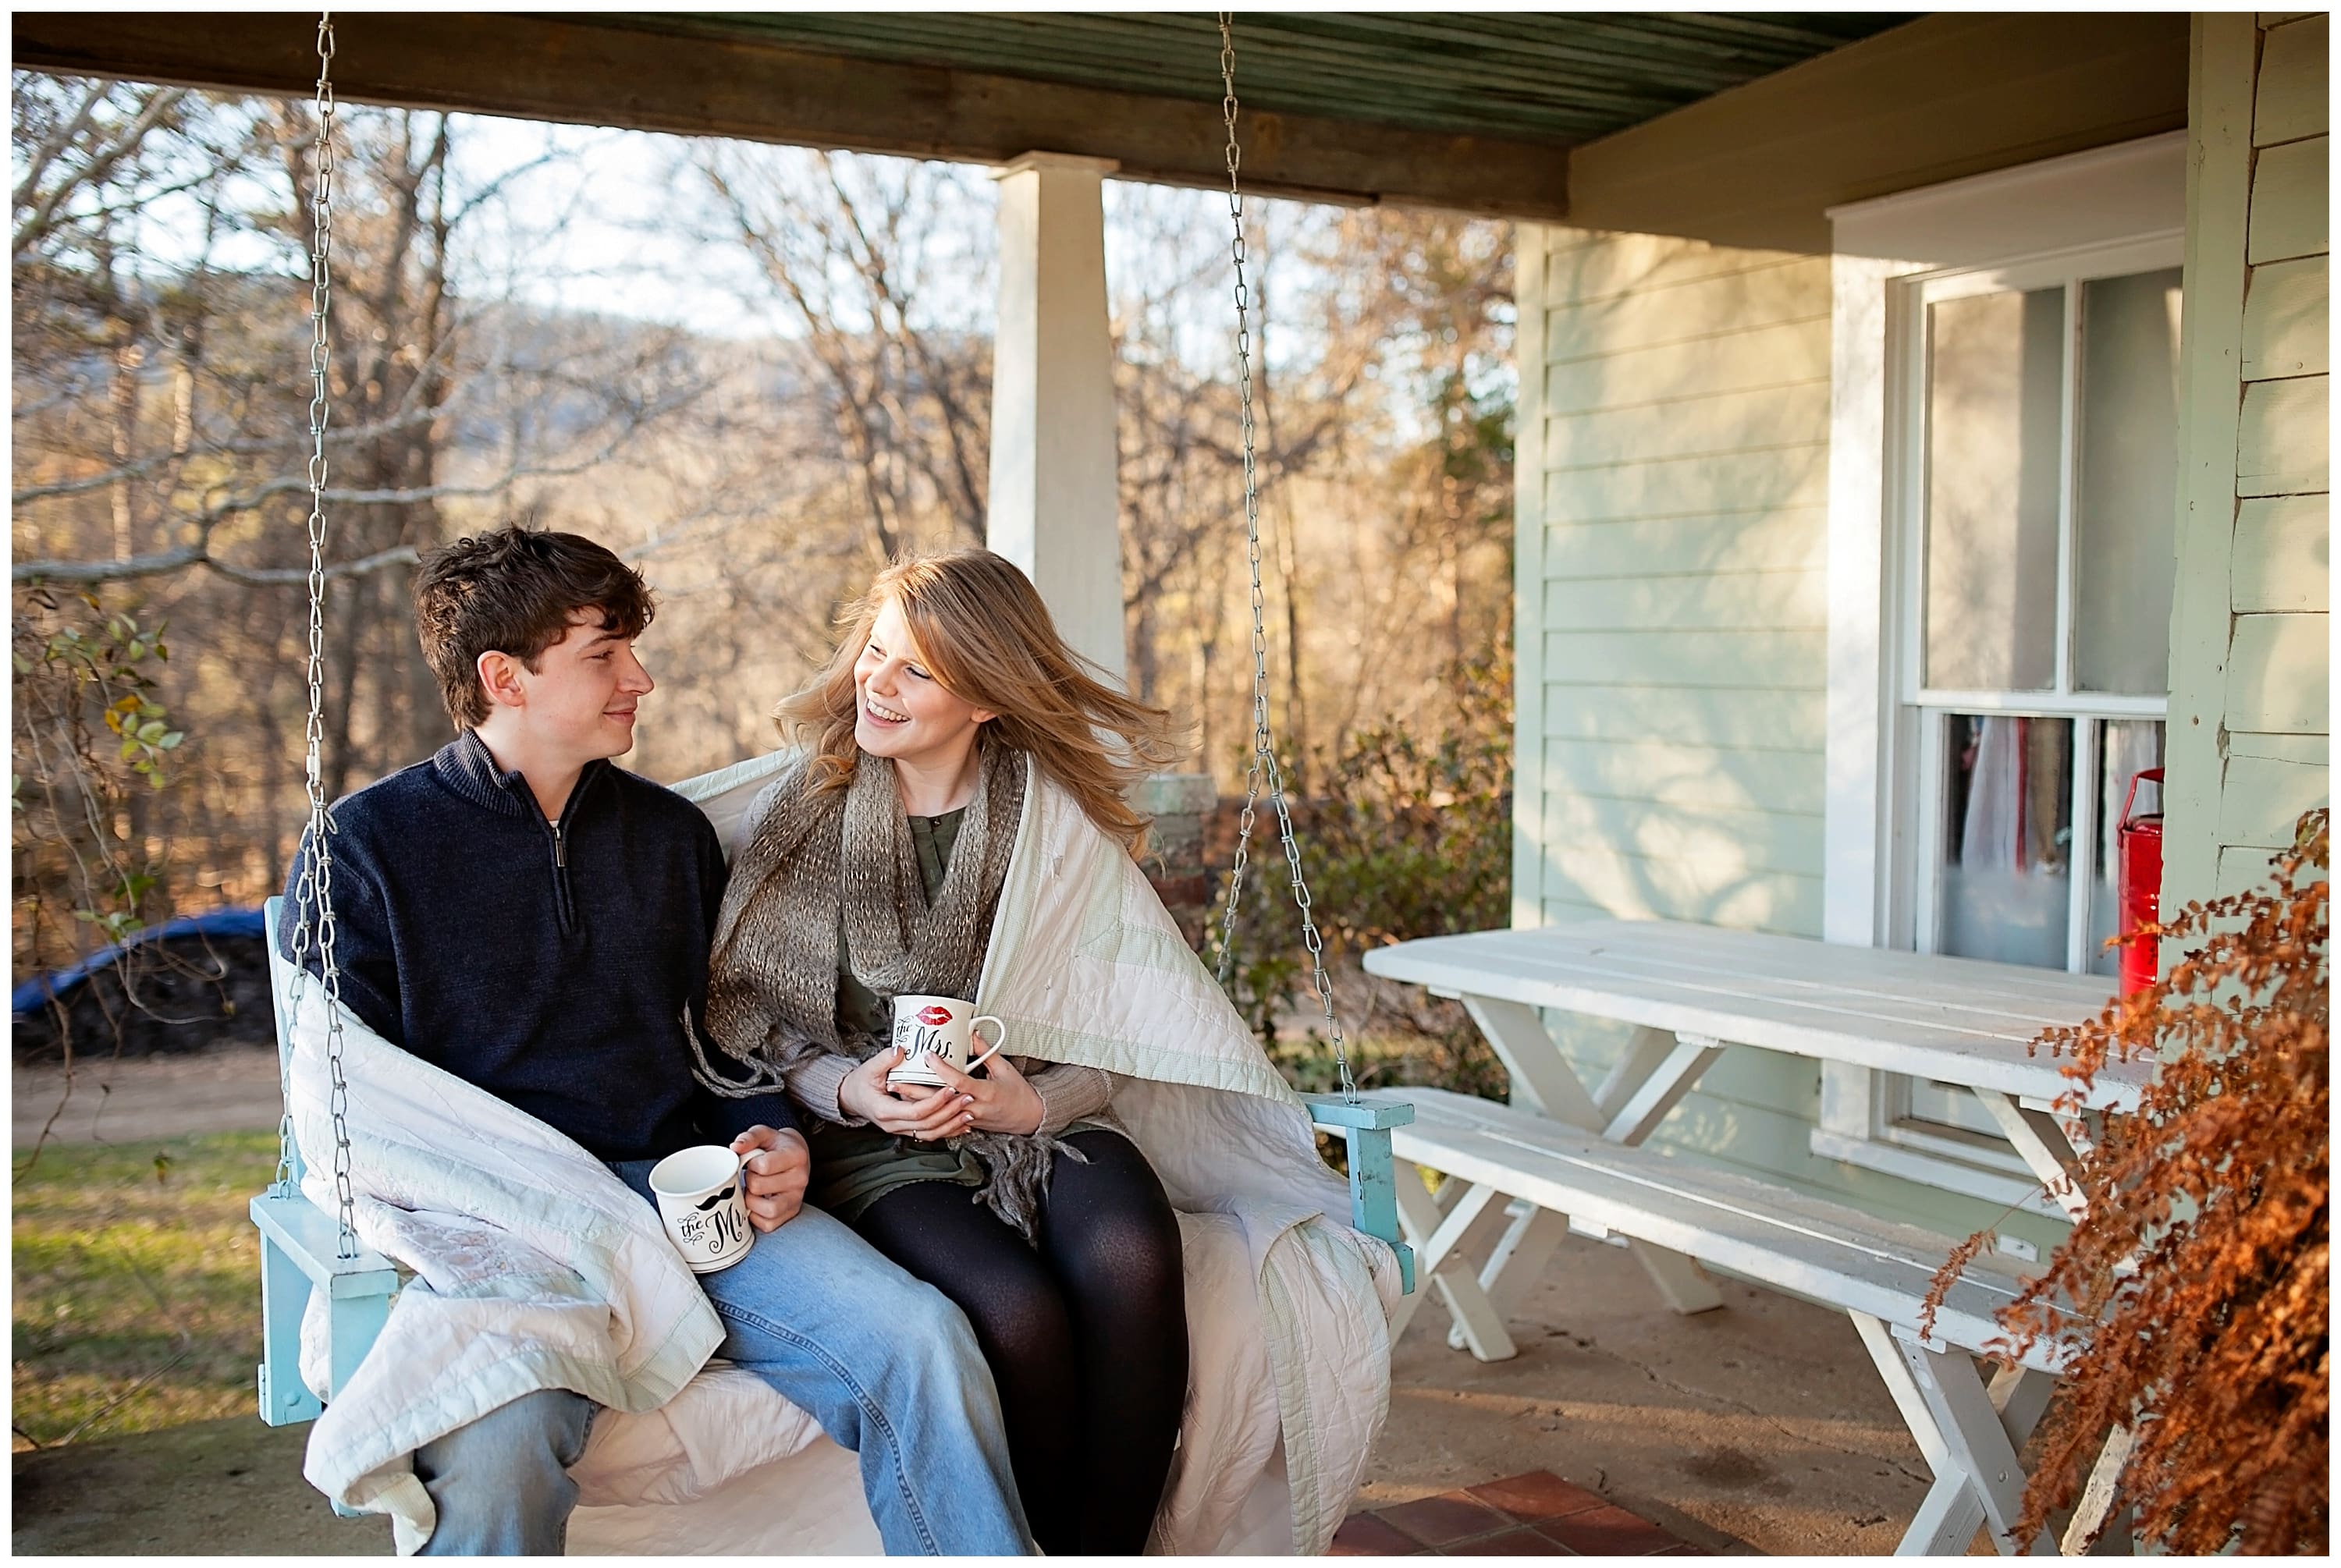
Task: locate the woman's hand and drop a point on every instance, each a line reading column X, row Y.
column 907, row 1110
column 1005, row 1102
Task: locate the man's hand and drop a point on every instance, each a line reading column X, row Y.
column 778, row 1166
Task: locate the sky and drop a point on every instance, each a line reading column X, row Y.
column 614, row 246
column 602, row 220
column 601, row 210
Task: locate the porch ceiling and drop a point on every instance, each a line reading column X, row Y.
column 1539, row 77
column 1470, row 111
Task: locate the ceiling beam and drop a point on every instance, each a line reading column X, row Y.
column 542, row 67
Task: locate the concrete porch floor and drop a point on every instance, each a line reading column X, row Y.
column 1759, row 1428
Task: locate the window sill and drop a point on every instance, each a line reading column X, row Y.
column 1935, row 1170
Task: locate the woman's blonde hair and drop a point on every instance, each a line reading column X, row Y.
column 983, row 632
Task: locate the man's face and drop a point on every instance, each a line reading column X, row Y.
column 581, row 698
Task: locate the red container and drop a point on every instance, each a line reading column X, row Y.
column 2141, row 889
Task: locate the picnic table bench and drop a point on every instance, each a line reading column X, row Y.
column 1563, row 1153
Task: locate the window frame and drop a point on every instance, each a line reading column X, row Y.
column 2112, row 211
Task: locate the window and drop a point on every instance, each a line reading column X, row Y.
column 2016, row 398
column 2039, row 440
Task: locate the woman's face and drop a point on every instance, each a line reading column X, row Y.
column 902, row 711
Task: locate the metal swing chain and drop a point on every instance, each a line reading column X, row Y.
column 316, row 890
column 1263, row 756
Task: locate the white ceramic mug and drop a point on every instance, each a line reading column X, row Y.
column 703, row 1198
column 938, row 1027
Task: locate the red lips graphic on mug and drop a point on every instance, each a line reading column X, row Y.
column 934, row 1017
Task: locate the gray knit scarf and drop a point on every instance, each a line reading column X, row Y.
column 822, row 856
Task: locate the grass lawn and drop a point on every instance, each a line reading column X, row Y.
column 137, row 1285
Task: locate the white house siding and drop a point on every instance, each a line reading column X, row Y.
column 2250, row 673
column 1673, row 474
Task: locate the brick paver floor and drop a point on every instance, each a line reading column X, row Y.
column 1537, row 1515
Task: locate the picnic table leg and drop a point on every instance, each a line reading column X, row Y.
column 1517, row 1263
column 2096, row 1508
column 1668, row 1067
column 2043, row 1146
column 1434, row 1236
column 1676, row 1076
column 1645, row 1054
column 1977, row 1444
column 1542, row 1080
column 1953, row 1508
column 1950, row 1513
column 1681, row 1282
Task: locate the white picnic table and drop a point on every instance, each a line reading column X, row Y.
column 1692, row 990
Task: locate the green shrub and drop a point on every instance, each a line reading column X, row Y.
column 1411, row 837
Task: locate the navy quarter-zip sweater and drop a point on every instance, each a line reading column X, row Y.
column 550, row 964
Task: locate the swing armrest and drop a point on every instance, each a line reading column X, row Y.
column 1373, row 1184
column 1332, row 1111
column 312, row 1241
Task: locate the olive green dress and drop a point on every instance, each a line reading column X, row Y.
column 854, row 1167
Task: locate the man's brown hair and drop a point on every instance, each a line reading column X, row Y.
column 514, row 591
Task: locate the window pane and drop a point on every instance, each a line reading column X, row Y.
column 1994, row 449
column 1951, row 1106
column 2007, row 829
column 2125, row 544
column 2129, row 746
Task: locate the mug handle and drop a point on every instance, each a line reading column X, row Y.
column 976, row 1062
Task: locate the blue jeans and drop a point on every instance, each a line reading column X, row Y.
column 883, row 1361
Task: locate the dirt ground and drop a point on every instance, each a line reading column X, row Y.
column 1758, row 1428
column 229, row 1090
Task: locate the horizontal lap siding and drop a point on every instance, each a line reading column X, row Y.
column 1673, row 618
column 2250, row 675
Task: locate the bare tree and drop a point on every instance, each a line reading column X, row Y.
column 160, row 429
column 160, row 432
column 850, row 250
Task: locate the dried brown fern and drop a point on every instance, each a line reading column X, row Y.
column 2197, row 1284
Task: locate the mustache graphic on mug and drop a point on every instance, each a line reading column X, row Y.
column 701, row 1200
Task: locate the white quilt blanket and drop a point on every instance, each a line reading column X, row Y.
column 537, row 1268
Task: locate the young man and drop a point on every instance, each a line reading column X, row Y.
column 522, row 913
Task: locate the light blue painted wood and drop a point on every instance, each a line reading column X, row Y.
column 299, row 1250
column 284, row 1399
column 1373, row 1190
column 299, row 1253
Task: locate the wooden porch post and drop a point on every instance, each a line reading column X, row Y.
column 1055, row 500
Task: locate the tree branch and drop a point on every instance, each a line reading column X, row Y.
column 102, row 163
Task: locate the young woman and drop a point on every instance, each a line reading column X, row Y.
column 873, row 870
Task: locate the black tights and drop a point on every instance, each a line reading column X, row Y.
column 1086, row 1336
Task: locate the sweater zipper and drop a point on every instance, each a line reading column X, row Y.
column 564, row 906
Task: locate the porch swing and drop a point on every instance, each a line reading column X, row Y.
column 304, row 1250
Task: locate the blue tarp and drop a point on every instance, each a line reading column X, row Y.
column 29, row 998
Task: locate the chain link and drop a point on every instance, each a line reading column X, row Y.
column 1263, row 765
column 313, row 896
